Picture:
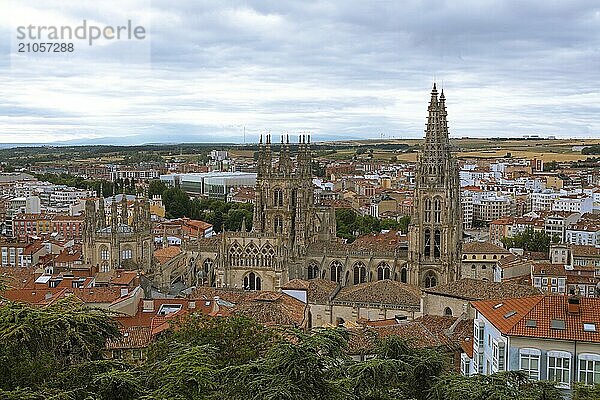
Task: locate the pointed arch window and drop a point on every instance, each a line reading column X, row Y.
column 207, row 265
column 360, row 273
column 404, row 275
column 437, row 210
column 427, row 249
column 252, row 281
column 430, row 279
column 313, row 270
column 383, row 271
column 437, row 243
column 235, row 254
column 278, row 224
column 427, row 209
column 278, row 197
column 336, row 271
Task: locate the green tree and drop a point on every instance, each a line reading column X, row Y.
column 529, row 240
column 39, row 342
column 156, row 187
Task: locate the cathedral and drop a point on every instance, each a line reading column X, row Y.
column 291, row 237
column 121, row 238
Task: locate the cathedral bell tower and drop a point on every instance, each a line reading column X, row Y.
column 435, row 231
column 284, row 193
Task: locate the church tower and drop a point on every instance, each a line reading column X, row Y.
column 435, row 231
column 284, row 194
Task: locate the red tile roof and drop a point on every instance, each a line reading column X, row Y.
column 542, row 310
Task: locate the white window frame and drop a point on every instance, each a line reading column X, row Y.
column 498, row 355
column 587, row 358
column 465, row 364
column 530, row 354
column 562, row 369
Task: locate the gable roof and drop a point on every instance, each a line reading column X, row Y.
column 477, row 247
column 543, row 310
column 380, row 292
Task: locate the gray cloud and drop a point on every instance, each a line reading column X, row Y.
column 340, row 69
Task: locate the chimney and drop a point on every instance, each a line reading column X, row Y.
column 148, row 306
column 215, row 306
column 573, row 302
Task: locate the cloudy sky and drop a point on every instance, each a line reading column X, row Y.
column 208, row 70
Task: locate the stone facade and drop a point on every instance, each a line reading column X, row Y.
column 119, row 239
column 292, row 237
column 435, row 233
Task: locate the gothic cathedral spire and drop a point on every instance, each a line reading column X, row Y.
column 436, row 224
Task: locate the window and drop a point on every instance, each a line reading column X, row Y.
column 537, row 281
column 252, row 282
column 589, row 369
column 278, row 198
column 498, row 355
column 127, row 254
column 403, row 275
column 529, row 362
column 360, row 273
column 383, row 271
column 336, row 271
column 104, row 253
column 427, row 210
column 430, row 279
column 447, row 312
column 478, row 330
column 313, row 271
column 278, row 224
column 559, row 369
column 427, row 252
column 465, row 364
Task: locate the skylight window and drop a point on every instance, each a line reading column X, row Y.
column 531, row 323
column 589, row 327
column 168, row 309
column 510, row 314
column 497, row 306
column 557, row 324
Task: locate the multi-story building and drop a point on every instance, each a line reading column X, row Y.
column 577, row 203
column 553, row 338
column 543, row 200
column 556, row 223
column 490, row 207
column 583, row 233
column 480, row 259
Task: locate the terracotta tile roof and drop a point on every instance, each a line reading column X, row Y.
column 17, row 277
column 319, row 290
column 266, row 307
column 165, row 254
column 477, row 247
column 68, row 256
column 133, row 337
column 544, row 309
column 583, row 250
column 121, row 277
column 272, row 308
column 33, row 248
column 548, row 269
column 40, row 297
column 96, row 294
column 502, row 317
column 428, row 331
column 297, row 284
column 475, row 289
column 231, row 295
column 381, row 292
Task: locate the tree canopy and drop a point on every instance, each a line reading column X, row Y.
column 56, row 353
